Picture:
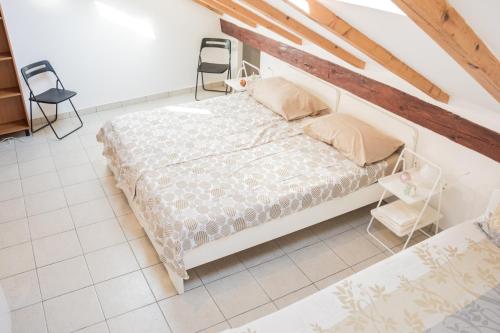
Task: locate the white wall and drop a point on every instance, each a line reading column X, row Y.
column 470, row 177
column 112, row 50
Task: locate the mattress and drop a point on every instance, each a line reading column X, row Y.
column 205, row 170
column 448, row 283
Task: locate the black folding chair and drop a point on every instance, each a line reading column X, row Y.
column 212, row 68
column 53, row 96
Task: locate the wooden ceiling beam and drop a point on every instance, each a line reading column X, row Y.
column 303, row 31
column 217, row 7
column 260, row 20
column 447, row 28
column 327, row 18
column 218, row 12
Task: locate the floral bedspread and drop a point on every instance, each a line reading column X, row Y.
column 202, row 171
column 448, row 283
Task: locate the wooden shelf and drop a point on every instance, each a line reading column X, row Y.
column 14, row 126
column 13, row 115
column 9, row 93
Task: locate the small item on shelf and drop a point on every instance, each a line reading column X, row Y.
column 410, row 189
column 243, row 80
column 405, row 177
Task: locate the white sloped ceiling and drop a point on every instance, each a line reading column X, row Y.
column 401, row 36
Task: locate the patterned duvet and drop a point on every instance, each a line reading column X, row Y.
column 448, row 283
column 206, row 170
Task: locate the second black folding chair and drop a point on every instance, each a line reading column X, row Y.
column 212, row 68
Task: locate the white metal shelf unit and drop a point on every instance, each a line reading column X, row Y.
column 410, row 212
column 235, row 84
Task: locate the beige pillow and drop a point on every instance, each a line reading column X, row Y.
column 355, row 139
column 285, row 98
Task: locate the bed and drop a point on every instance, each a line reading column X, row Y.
column 448, row 283
column 211, row 178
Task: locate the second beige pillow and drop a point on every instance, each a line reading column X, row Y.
column 355, row 139
column 285, row 98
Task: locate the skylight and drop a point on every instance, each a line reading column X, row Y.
column 302, row 4
column 383, row 5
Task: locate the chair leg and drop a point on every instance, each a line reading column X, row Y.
column 213, row 90
column 228, row 77
column 49, row 123
column 79, row 119
column 196, row 86
column 203, row 82
column 31, row 116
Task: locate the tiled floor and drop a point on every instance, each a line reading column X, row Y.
column 73, row 257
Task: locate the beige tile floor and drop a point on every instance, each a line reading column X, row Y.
column 74, row 258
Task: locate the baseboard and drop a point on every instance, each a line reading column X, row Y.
column 133, row 101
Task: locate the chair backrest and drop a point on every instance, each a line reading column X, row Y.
column 220, row 43
column 37, row 68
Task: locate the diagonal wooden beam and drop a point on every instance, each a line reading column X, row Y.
column 300, row 29
column 324, row 16
column 217, row 7
column 445, row 25
column 462, row 131
column 218, row 12
column 260, row 20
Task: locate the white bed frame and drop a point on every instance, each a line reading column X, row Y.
column 343, row 103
